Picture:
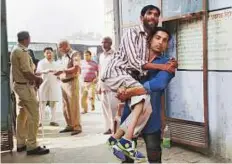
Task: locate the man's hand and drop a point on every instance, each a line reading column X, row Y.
column 171, row 66
column 173, row 62
column 95, row 80
column 38, row 82
column 58, row 73
column 51, row 71
column 98, row 90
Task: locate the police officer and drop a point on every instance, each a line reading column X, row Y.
column 24, row 82
column 70, row 87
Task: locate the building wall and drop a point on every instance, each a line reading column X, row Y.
column 220, row 113
column 185, row 92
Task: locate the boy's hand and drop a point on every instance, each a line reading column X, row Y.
column 171, row 66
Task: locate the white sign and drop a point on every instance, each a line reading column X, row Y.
column 220, row 40
column 189, row 44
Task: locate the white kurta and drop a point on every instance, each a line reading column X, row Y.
column 50, row 89
column 104, row 59
column 109, row 102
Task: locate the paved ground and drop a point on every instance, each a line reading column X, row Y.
column 89, row 147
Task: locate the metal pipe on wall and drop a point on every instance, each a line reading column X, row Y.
column 6, row 129
column 117, row 31
column 205, row 70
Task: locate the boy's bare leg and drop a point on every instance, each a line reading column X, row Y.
column 119, row 133
column 126, row 146
column 136, row 112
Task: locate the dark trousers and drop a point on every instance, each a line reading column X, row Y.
column 153, row 147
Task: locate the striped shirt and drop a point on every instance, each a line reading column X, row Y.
column 131, row 55
column 89, row 70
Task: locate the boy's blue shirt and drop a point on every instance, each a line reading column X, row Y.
column 155, row 83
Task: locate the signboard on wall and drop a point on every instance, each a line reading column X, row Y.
column 130, row 10
column 189, row 45
column 219, row 40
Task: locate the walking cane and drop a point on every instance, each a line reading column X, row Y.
column 42, row 113
column 41, row 120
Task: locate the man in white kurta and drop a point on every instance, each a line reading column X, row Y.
column 109, row 102
column 49, row 90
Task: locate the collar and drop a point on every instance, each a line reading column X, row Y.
column 87, row 61
column 155, row 57
column 141, row 29
column 70, row 53
column 47, row 61
column 23, row 47
column 109, row 52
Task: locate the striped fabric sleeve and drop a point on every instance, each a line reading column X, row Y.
column 130, row 42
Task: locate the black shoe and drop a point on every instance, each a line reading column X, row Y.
column 54, row 124
column 93, row 108
column 38, row 151
column 20, row 149
column 66, row 130
column 75, row 132
column 107, row 132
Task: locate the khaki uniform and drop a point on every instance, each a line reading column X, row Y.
column 27, row 104
column 70, row 91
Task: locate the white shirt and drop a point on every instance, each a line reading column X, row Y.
column 65, row 59
column 104, row 59
column 50, row 88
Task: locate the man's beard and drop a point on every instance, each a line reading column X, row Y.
column 148, row 26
